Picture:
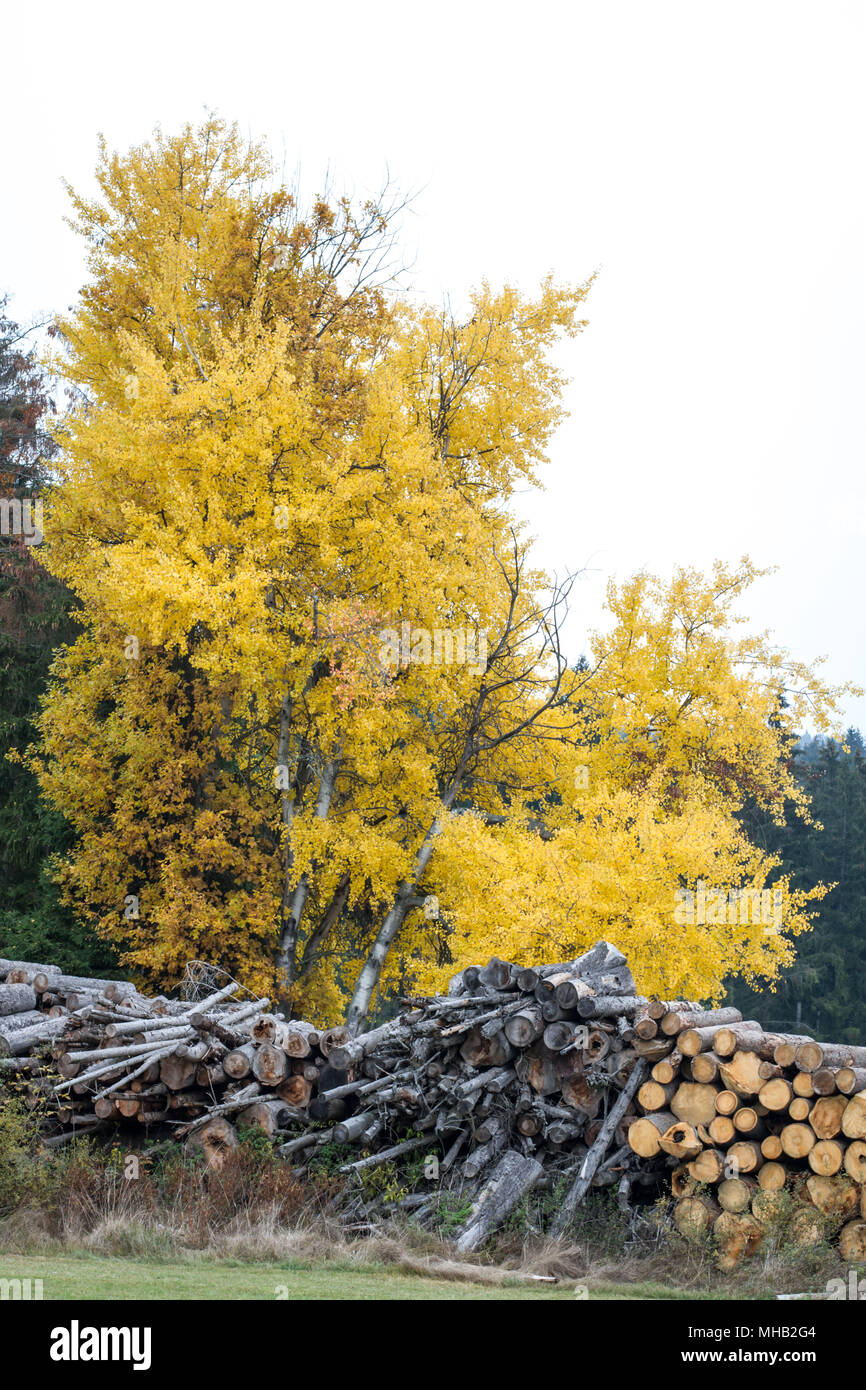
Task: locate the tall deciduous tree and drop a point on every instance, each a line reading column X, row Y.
column 317, row 667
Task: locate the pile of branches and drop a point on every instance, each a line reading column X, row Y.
column 748, row 1116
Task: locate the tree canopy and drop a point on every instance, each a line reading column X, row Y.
column 319, row 724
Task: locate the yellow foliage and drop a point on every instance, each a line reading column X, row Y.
column 282, row 483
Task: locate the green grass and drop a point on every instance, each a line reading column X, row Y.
column 101, row 1277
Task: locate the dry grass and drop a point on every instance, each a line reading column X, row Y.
column 254, row 1211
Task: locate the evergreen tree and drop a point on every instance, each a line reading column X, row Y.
column 35, row 618
column 822, row 993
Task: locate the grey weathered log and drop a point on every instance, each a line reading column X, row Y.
column 351, row 1053
column 13, row 1023
column 588, row 1168
column 17, row 999
column 24, row 1040
column 385, row 1155
column 514, row 1176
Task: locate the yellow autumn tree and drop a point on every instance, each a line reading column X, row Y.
column 320, row 687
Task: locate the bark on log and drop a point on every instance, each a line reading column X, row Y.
column 513, row 1176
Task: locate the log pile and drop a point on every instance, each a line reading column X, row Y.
column 559, row 1077
column 744, row 1116
column 515, row 1078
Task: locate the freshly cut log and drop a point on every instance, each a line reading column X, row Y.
column 646, row 1028
column 708, row 1166
column 855, row 1160
column 695, row 1215
column 797, row 1140
column 801, row 1084
column 828, row 1055
column 825, row 1158
column 851, row 1079
column 772, row 1177
column 694, row 1103
column 726, row 1102
column 668, row 1069
column 808, row 1056
column 739, row 1073
column 674, row 1021
column 852, row 1242
column 836, row 1197
column 854, row 1118
column 771, row 1146
column 680, row 1141
column 514, row 1175
column 799, row 1108
column 786, row 1047
column 747, row 1037
column 823, row 1081
column 826, row 1114
column 776, row 1094
column 768, row 1071
column 721, row 1129
column 704, row 1068
column 695, row 1040
column 644, row 1135
column 769, row 1205
column 653, row 1096
column 736, row 1194
column 747, row 1156
column 747, row 1121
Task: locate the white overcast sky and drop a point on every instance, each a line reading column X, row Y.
column 706, row 158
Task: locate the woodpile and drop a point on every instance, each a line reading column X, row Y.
column 744, row 1115
column 514, row 1079
column 558, row 1077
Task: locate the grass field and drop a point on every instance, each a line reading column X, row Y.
column 99, row 1277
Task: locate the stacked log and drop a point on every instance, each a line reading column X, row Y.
column 556, row 1076
column 745, row 1115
